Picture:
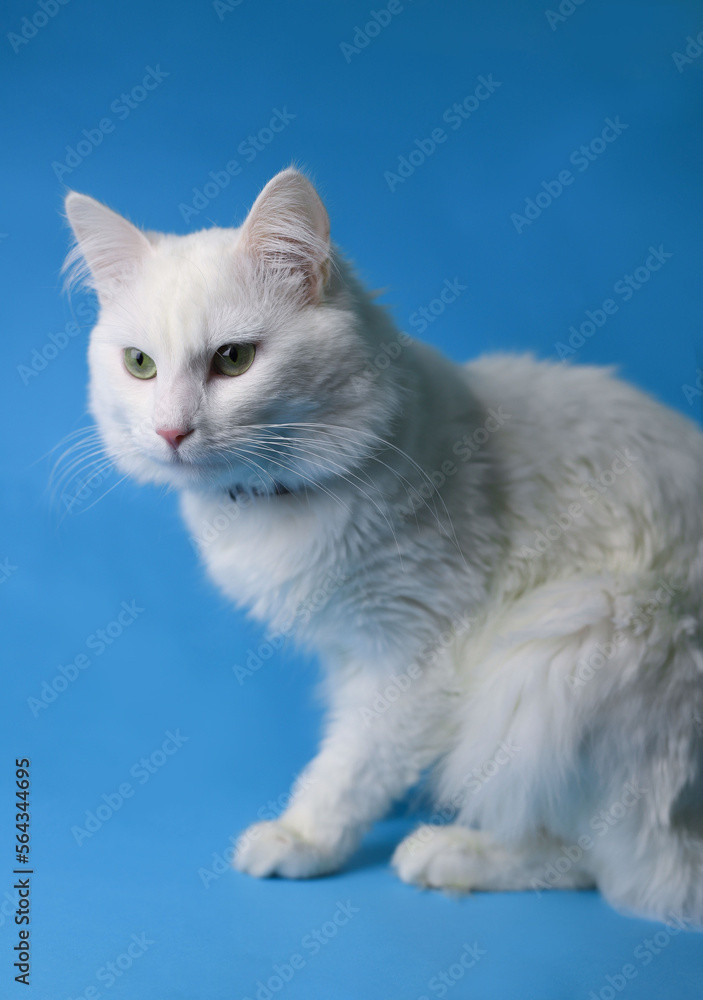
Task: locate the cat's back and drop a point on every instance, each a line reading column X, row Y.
column 579, row 435
column 585, row 400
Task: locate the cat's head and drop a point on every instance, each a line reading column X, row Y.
column 231, row 358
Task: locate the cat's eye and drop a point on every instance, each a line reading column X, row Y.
column 138, row 363
column 234, row 359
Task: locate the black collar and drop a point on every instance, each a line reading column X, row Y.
column 279, row 490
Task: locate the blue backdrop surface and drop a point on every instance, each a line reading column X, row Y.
column 543, row 162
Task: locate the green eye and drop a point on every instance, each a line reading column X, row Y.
column 234, row 359
column 138, row 363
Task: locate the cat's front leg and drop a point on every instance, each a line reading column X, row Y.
column 368, row 759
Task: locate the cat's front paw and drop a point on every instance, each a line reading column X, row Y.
column 442, row 857
column 272, row 848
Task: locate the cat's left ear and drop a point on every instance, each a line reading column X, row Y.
column 287, row 232
column 108, row 248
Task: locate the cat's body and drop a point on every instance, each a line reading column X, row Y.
column 500, row 565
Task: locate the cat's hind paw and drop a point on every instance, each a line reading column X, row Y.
column 441, row 857
column 458, row 858
column 272, row 848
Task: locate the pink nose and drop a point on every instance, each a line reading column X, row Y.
column 173, row 436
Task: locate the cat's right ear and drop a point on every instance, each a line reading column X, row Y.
column 108, row 249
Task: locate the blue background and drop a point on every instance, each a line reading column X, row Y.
column 76, row 560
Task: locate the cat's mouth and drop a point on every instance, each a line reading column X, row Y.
column 250, row 486
column 212, row 470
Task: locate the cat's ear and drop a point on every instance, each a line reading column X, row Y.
column 287, row 232
column 108, row 249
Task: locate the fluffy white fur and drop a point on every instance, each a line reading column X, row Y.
column 515, row 549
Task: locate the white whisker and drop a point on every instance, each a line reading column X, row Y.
column 352, row 434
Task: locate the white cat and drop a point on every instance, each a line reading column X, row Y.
column 510, row 556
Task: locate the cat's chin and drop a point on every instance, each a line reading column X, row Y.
column 147, row 470
column 205, row 478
